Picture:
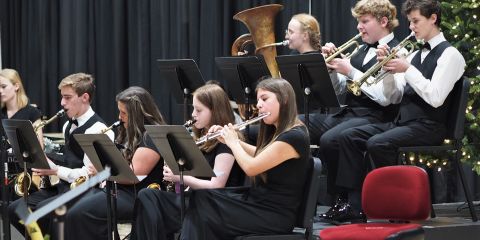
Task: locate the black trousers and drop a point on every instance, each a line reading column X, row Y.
column 87, row 219
column 381, row 141
column 157, row 215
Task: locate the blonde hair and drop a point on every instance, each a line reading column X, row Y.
column 378, row 9
column 311, row 26
column 13, row 76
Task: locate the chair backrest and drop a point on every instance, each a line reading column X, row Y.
column 396, row 193
column 312, row 186
column 456, row 111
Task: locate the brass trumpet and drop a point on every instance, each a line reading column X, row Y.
column 376, row 70
column 25, row 179
column 237, row 127
column 344, row 47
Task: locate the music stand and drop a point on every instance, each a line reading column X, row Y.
column 103, row 152
column 4, row 184
column 309, row 76
column 183, row 77
column 180, row 153
column 242, row 75
column 28, row 218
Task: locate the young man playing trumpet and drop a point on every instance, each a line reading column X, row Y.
column 77, row 92
column 376, row 21
column 421, row 84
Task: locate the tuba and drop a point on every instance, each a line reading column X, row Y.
column 260, row 22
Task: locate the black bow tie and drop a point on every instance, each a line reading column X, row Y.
column 371, row 45
column 426, row 46
column 73, row 121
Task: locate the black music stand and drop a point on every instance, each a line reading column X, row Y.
column 183, row 77
column 308, row 76
column 5, row 201
column 103, row 152
column 242, row 75
column 180, row 153
column 26, row 147
column 58, row 204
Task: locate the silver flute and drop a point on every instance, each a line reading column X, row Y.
column 236, row 127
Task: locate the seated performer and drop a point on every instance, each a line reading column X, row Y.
column 376, row 21
column 15, row 105
column 210, row 106
column 278, row 164
column 87, row 219
column 422, row 84
column 77, row 92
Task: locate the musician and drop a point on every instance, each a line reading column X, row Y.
column 77, row 91
column 421, row 83
column 15, row 105
column 303, row 34
column 14, row 100
column 376, row 21
column 211, row 106
column 277, row 164
column 87, row 219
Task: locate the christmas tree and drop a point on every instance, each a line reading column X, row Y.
column 460, row 26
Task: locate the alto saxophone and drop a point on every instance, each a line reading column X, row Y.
column 23, row 179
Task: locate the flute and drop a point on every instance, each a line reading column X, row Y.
column 236, row 127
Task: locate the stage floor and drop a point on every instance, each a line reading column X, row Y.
column 452, row 222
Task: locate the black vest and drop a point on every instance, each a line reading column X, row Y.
column 412, row 105
column 73, row 153
column 362, row 105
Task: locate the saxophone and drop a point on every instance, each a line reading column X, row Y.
column 23, row 179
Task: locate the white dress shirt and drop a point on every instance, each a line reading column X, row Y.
column 374, row 92
column 450, row 67
column 70, row 174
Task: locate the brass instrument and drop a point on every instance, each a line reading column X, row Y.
column 83, row 179
column 22, row 177
column 344, row 47
column 376, row 70
column 44, row 123
column 237, row 127
column 260, row 22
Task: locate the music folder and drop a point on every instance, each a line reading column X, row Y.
column 103, row 152
column 175, row 143
column 25, row 144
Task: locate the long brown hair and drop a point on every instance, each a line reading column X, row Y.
column 216, row 100
column 141, row 110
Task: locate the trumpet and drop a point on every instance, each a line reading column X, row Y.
column 347, row 45
column 44, row 123
column 376, row 70
column 236, row 127
column 113, row 126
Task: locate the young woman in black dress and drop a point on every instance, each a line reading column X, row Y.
column 210, row 106
column 277, row 165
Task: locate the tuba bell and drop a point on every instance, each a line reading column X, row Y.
column 260, row 22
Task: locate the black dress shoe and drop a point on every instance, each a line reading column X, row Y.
column 347, row 214
column 328, row 215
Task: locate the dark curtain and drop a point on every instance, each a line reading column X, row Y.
column 118, row 41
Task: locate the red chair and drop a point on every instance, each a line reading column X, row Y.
column 397, row 193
